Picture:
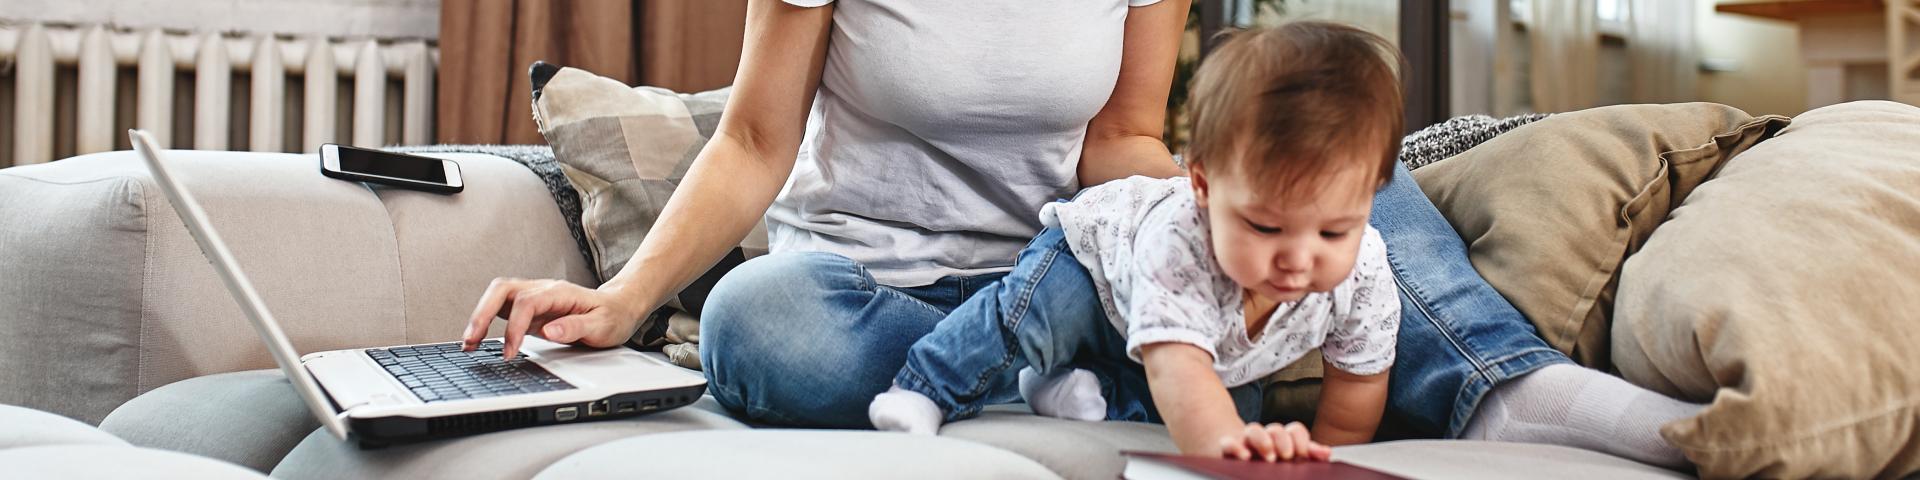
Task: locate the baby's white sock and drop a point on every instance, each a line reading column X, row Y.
column 1578, row 407
column 902, row 410
column 1073, row 395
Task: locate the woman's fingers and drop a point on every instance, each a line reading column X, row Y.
column 567, row 329
column 498, row 297
column 527, row 304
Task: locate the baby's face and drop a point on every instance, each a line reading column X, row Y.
column 1283, row 246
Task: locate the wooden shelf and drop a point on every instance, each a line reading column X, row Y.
column 1796, row 10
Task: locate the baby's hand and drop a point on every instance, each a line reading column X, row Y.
column 1274, row 442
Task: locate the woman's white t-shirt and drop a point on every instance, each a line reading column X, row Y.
column 941, row 128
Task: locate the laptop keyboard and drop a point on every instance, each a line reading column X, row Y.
column 440, row 372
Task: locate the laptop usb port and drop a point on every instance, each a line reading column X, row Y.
column 596, row 409
column 623, row 407
column 566, row 414
column 653, row 404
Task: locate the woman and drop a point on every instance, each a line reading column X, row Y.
column 916, row 142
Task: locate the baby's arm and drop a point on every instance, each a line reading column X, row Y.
column 1201, row 416
column 1350, row 407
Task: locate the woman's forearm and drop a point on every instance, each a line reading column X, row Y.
column 742, row 168
column 725, row 192
column 1108, row 157
column 1123, row 140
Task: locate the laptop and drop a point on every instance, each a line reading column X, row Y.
column 409, row 393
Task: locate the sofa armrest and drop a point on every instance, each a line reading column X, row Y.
column 105, row 296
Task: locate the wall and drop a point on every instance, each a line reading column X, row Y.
column 1770, row 77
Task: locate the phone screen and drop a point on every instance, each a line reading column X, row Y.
column 392, row 165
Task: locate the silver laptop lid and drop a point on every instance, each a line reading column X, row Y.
column 238, row 285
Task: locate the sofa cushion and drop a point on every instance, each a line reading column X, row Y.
column 26, row 427
column 106, row 296
column 1475, row 460
column 1071, row 448
column 1784, row 290
column 115, row 461
column 519, row 453
column 1550, row 209
column 795, row 454
column 254, row 422
column 74, row 246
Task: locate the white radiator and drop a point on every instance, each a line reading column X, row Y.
column 32, row 54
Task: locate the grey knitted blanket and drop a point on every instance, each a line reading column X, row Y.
column 1456, row 135
column 539, row 159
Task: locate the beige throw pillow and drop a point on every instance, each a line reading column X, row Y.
column 1549, row 210
column 625, row 149
column 1786, row 290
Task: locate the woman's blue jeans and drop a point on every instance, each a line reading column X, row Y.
column 807, row 339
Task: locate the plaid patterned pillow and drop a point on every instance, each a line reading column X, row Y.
column 625, row 149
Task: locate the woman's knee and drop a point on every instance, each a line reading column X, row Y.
column 753, row 323
column 772, row 281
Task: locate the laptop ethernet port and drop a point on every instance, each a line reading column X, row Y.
column 566, row 414
column 623, row 407
column 596, row 409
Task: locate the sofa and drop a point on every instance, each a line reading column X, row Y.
column 124, row 356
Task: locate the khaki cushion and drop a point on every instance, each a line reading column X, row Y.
column 1785, row 290
column 1549, row 210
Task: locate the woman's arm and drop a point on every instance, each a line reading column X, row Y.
column 1124, row 138
column 726, row 190
column 1201, row 416
column 1350, row 407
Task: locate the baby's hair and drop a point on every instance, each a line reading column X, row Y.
column 1282, row 105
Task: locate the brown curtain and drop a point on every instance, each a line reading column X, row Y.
column 486, row 46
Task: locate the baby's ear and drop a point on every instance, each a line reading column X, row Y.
column 1197, row 174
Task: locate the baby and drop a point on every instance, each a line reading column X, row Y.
column 1168, row 300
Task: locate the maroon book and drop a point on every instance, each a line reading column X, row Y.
column 1157, row 466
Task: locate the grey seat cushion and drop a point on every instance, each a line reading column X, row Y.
column 250, row 418
column 1073, row 449
column 26, row 427
column 507, row 454
column 115, row 461
column 795, row 454
column 1463, row 459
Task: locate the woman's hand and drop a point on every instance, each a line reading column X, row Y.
column 1274, row 443
column 557, row 310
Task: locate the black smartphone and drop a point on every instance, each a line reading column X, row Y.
column 387, row 168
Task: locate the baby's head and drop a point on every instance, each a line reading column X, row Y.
column 1294, row 129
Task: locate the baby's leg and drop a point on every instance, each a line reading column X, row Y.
column 1035, row 314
